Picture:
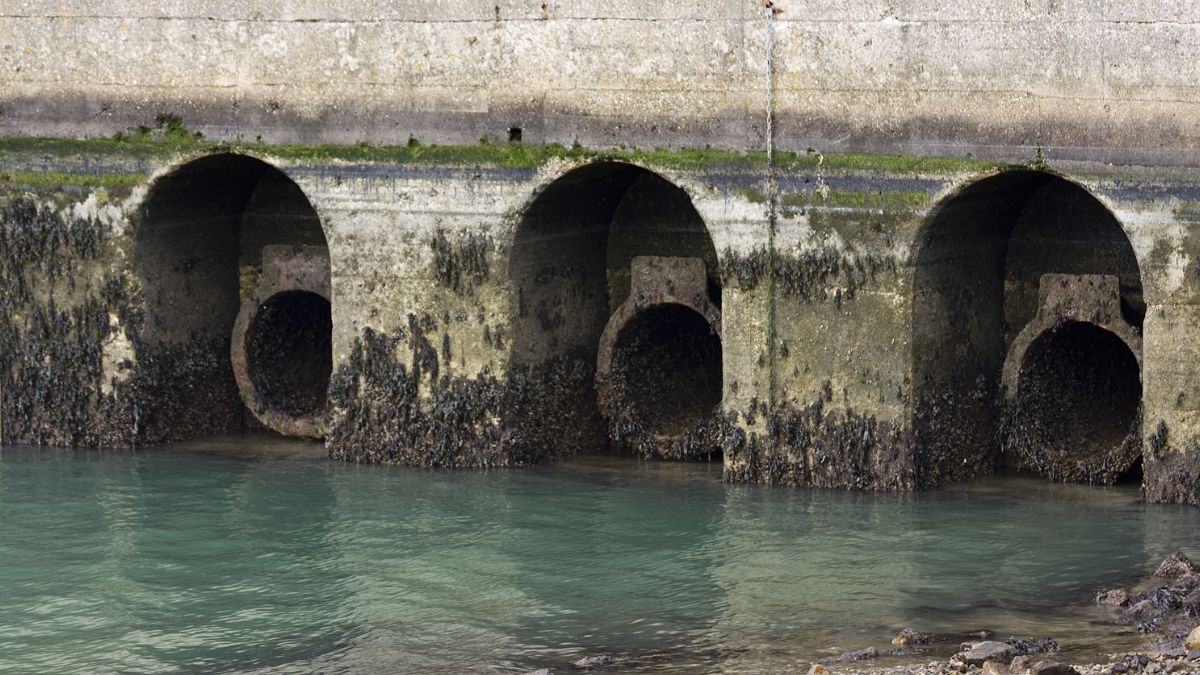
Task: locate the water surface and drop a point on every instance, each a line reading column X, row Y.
column 257, row 555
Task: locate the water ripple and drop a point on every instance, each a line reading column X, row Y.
column 178, row 561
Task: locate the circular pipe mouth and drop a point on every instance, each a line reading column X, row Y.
column 1078, row 403
column 283, row 357
column 664, row 372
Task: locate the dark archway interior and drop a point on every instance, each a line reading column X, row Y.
column 570, row 270
column 666, row 371
column 199, row 239
column 1078, row 398
column 979, row 261
column 289, row 355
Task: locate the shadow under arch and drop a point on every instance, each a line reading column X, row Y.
column 219, row 236
column 977, row 266
column 570, row 270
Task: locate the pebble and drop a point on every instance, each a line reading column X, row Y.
column 993, row 668
column 1048, row 667
column 858, row 655
column 1192, row 641
column 909, row 636
column 1117, row 597
column 593, row 661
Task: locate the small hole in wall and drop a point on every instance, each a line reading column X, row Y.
column 514, row 134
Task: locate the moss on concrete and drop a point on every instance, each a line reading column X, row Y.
column 168, row 141
column 118, row 184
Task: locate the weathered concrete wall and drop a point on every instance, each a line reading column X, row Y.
column 867, row 302
column 1084, row 79
column 836, row 340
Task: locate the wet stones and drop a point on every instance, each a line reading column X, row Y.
column 1026, row 647
column 1170, row 611
column 909, row 636
column 1052, row 668
column 991, row 668
column 1117, row 597
column 1130, row 663
column 1192, row 641
column 1175, row 566
column 982, row 652
column 856, row 655
column 589, row 662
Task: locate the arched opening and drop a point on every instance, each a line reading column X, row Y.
column 571, row 267
column 214, row 235
column 979, row 261
column 288, row 352
column 665, row 377
column 1076, row 414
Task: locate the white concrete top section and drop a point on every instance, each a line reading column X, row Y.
column 1084, row 79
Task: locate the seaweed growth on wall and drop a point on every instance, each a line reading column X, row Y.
column 1172, row 473
column 818, row 446
column 811, row 275
column 52, row 324
column 64, row 308
column 461, row 264
column 394, row 402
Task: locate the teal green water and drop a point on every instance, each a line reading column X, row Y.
column 217, row 557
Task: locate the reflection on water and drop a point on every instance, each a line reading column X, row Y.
column 256, row 555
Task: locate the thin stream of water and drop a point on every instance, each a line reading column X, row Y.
column 257, row 555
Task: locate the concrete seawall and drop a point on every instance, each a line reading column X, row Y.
column 930, row 173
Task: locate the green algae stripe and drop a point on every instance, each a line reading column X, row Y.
column 145, row 147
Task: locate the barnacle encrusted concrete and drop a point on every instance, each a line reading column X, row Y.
column 874, row 195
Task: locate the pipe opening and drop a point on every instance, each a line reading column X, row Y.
column 571, row 271
column 1078, row 406
column 666, row 373
column 289, row 353
column 978, row 267
column 199, row 254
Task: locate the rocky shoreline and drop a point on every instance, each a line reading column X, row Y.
column 1165, row 608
